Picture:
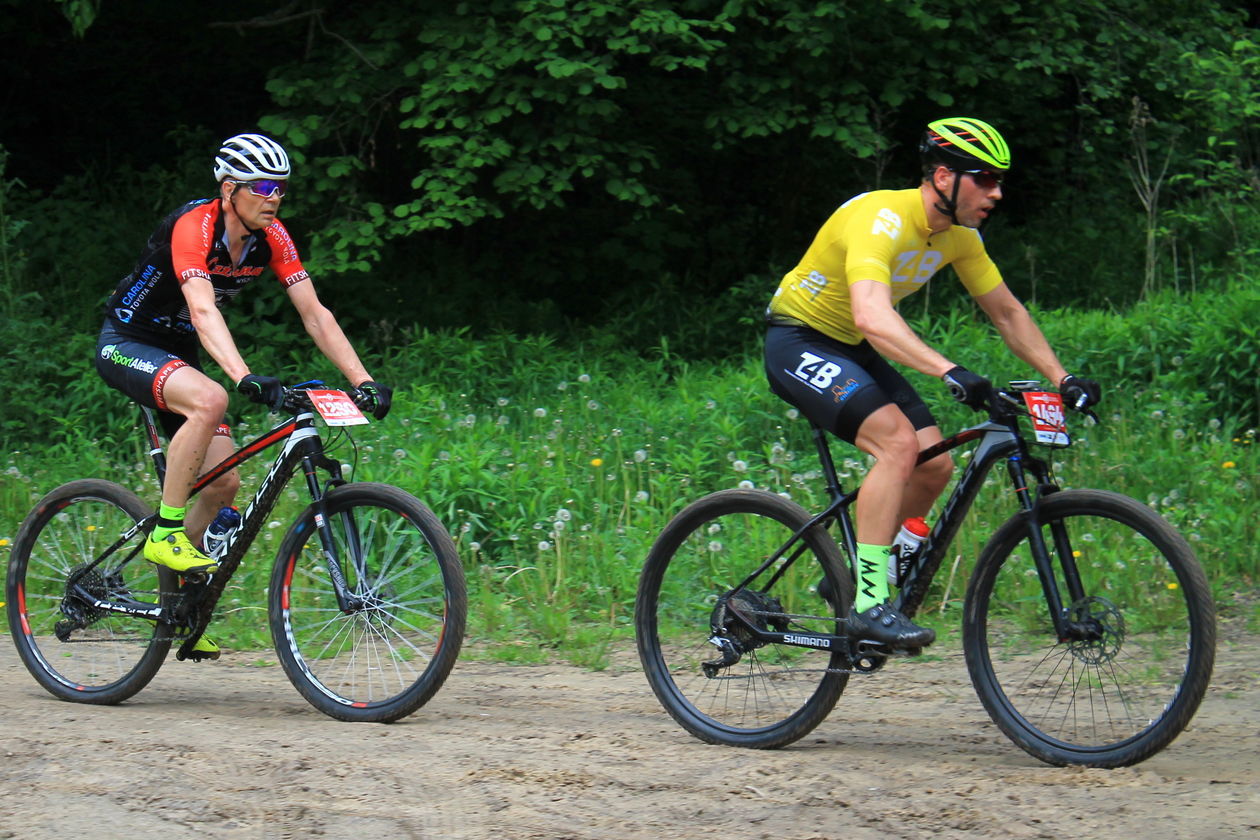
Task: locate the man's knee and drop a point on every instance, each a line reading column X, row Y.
column 936, row 472
column 225, row 486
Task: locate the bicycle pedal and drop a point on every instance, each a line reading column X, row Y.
column 202, row 656
column 870, row 647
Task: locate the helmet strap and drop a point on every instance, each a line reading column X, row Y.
column 948, row 205
column 231, row 200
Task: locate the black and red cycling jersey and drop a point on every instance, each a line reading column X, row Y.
column 192, row 242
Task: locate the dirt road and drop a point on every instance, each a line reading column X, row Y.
column 229, row 750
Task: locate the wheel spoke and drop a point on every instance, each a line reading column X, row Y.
column 773, row 694
column 1143, row 634
column 75, row 649
column 391, row 651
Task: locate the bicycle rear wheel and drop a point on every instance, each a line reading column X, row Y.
column 1142, row 647
column 387, row 652
column 74, row 648
column 774, row 694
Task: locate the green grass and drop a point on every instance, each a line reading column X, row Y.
column 555, row 467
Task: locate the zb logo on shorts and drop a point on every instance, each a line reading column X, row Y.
column 820, row 374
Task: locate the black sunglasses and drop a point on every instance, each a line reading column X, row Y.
column 984, row 178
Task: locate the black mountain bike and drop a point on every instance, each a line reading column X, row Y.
column 1088, row 625
column 366, row 601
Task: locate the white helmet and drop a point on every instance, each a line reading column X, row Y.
column 250, row 157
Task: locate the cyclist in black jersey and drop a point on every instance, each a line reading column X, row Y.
column 166, row 311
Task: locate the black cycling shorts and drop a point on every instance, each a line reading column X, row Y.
column 140, row 368
column 837, row 385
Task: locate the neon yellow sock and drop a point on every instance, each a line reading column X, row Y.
column 170, row 520
column 872, row 576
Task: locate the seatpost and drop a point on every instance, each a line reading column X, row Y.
column 828, row 465
column 155, row 444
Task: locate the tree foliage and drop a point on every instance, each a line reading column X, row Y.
column 584, row 151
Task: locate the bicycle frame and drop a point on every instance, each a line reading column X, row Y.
column 195, row 601
column 1000, row 438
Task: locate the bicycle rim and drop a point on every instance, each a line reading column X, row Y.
column 390, row 652
column 1122, row 694
column 774, row 694
column 74, row 649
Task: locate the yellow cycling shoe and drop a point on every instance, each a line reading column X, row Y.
column 204, row 649
column 176, row 552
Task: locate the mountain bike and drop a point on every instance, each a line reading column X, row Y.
column 366, row 601
column 1088, row 625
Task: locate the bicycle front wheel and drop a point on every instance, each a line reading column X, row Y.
column 367, row 607
column 1139, row 646
column 773, row 694
column 80, row 547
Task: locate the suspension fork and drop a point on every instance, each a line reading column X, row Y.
column 1030, row 502
column 313, row 460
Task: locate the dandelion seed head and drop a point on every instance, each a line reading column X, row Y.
column 540, row 412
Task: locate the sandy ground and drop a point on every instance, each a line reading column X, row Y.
column 230, row 750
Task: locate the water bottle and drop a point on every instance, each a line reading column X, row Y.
column 905, row 548
column 224, row 525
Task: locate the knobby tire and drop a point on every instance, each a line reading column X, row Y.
column 106, row 657
column 775, row 694
column 388, row 656
column 1124, row 693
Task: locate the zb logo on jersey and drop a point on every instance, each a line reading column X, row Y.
column 821, row 375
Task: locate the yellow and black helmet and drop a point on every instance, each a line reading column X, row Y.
column 964, row 143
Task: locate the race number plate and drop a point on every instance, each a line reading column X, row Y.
column 1049, row 424
column 337, row 408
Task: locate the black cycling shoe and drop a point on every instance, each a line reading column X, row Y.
column 887, row 626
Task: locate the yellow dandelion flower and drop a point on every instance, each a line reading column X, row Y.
column 1228, row 465
column 3, row 543
column 1171, row 586
column 597, row 462
column 1076, row 553
column 91, row 527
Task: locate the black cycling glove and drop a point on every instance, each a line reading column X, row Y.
column 970, row 389
column 266, row 390
column 1079, row 393
column 375, row 397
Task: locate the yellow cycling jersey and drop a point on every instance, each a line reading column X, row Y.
column 881, row 236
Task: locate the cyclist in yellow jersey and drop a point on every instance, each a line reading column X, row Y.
column 833, row 328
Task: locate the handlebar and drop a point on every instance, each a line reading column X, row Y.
column 1005, row 403
column 296, row 399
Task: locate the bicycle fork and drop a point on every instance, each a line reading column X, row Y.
column 1045, row 560
column 328, row 529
